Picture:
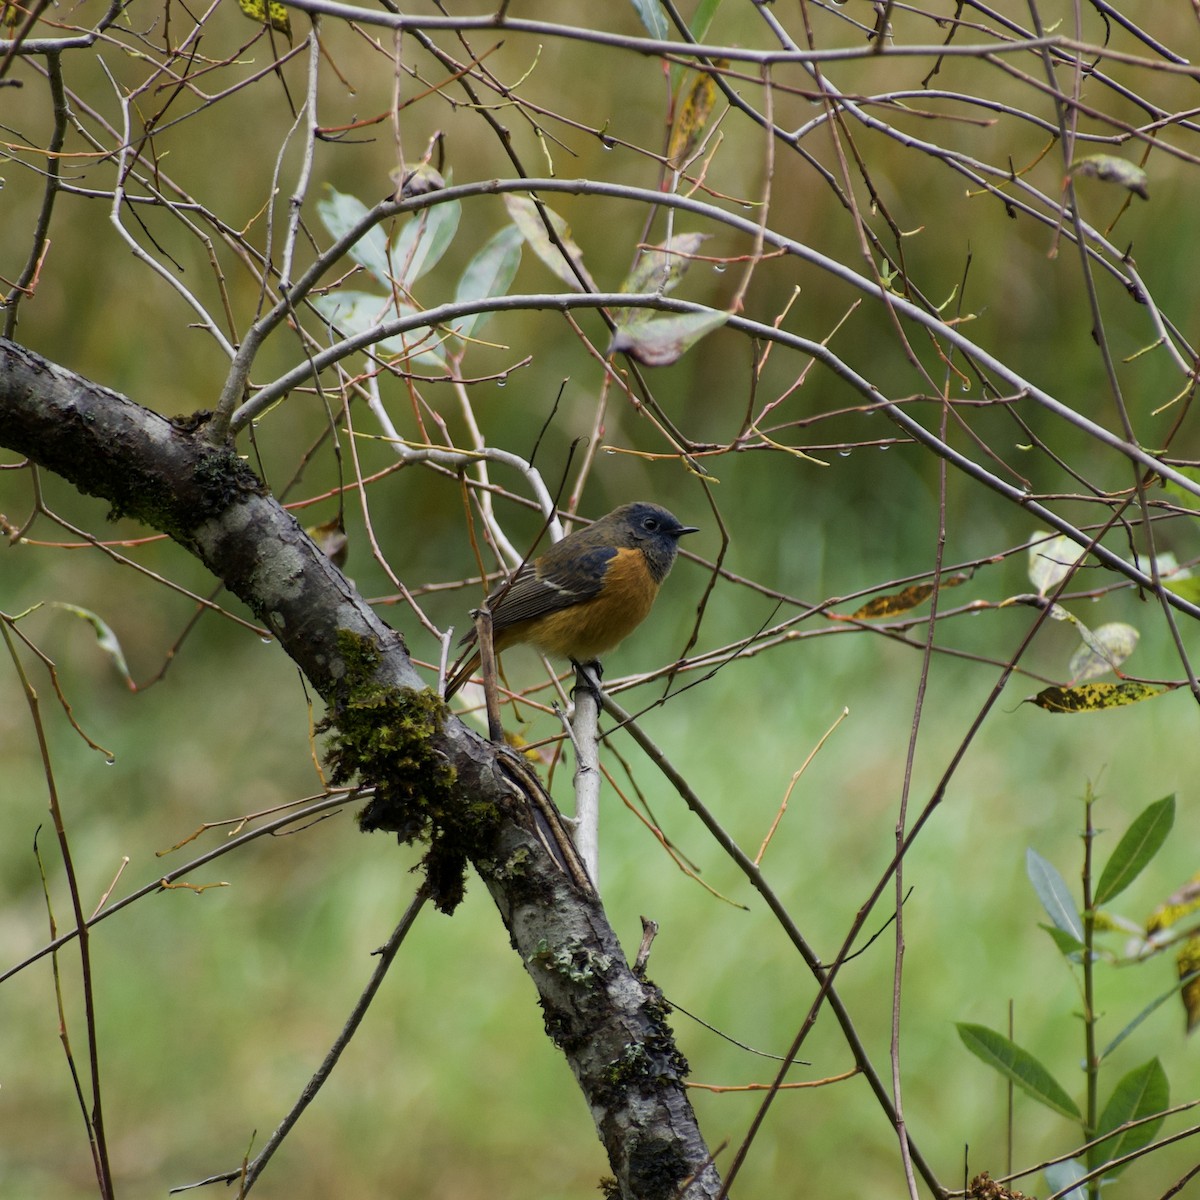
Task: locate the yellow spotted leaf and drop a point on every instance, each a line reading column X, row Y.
column 899, row 602
column 694, row 113
column 1175, row 907
column 1093, row 697
column 271, row 12
column 1188, row 963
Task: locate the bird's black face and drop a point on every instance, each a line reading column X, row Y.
column 649, row 522
column 657, row 532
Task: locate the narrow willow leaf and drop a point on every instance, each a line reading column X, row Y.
column 355, row 312
column 701, row 20
column 1051, row 560
column 1140, row 843
column 272, row 13
column 525, row 217
column 691, row 120
column 1181, row 494
column 651, row 15
column 422, row 241
column 361, row 312
column 1054, row 894
column 488, row 274
column 1108, row 168
column 1150, row 1008
column 662, row 341
column 1141, row 1093
column 1018, row 1065
column 1069, row 947
column 105, row 638
column 339, row 214
column 1104, row 649
column 1094, row 697
column 1186, row 587
column 661, row 268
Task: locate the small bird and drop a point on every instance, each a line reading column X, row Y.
column 588, row 592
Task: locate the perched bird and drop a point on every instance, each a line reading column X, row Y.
column 588, row 592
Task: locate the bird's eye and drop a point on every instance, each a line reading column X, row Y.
column 650, row 523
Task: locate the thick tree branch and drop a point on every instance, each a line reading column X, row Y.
column 430, row 772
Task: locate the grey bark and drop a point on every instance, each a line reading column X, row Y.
column 609, row 1023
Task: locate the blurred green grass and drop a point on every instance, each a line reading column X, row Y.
column 214, row 1009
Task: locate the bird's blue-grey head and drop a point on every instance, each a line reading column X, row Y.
column 653, row 530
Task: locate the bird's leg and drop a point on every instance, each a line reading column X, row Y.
column 588, row 675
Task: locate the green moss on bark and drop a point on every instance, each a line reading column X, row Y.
column 387, row 737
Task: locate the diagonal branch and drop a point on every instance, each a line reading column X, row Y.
column 431, row 774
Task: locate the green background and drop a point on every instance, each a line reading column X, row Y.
column 214, row 1009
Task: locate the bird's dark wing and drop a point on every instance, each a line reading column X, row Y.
column 549, row 585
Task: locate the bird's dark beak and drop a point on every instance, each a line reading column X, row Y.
column 686, row 529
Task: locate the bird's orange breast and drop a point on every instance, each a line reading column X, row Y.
column 592, row 628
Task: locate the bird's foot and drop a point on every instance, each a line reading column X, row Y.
column 588, row 676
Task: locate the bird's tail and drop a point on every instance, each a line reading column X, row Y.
column 460, row 673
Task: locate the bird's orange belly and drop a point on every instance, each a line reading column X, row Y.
column 590, row 630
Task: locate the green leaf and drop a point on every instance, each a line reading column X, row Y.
column 1140, row 843
column 340, row 213
column 1104, row 649
column 422, row 241
column 488, row 274
column 1018, row 1065
column 1181, row 494
column 661, row 268
column 360, row 312
column 1185, row 586
column 661, row 341
column 1051, row 560
column 701, row 19
column 1108, row 168
column 355, row 312
column 105, row 638
column 1142, row 1093
column 1150, row 1008
column 1054, row 894
column 653, row 18
column 525, row 216
column 1068, row 946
